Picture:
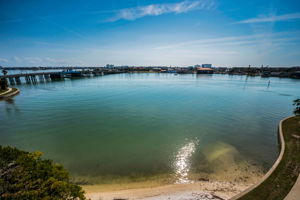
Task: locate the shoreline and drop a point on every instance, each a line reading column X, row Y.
column 222, row 185
column 282, row 180
column 274, row 166
column 228, row 179
column 149, row 191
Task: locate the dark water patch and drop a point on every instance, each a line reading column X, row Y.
column 286, row 95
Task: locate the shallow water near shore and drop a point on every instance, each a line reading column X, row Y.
column 138, row 127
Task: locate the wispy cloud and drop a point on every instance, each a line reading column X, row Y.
column 272, row 18
column 40, row 61
column 3, row 60
column 236, row 40
column 159, row 9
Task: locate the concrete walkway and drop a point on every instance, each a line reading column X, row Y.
column 295, row 191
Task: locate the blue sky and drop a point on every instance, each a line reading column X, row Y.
column 144, row 32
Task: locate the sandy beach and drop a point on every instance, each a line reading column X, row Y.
column 229, row 178
column 201, row 190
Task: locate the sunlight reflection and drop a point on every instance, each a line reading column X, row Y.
column 182, row 162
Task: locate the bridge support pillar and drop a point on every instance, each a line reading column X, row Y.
column 18, row 80
column 27, row 79
column 11, row 81
column 33, row 79
column 41, row 78
column 47, row 77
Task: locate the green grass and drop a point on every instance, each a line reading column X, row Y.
column 281, row 181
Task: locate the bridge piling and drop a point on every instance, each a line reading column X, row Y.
column 27, row 79
column 56, row 76
column 41, row 78
column 47, row 77
column 11, row 81
column 33, row 79
column 18, row 80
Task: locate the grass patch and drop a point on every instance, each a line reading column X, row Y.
column 281, row 181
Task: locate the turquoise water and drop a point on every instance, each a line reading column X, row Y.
column 140, row 125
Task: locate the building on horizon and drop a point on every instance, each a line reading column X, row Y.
column 207, row 65
column 204, row 70
column 109, row 66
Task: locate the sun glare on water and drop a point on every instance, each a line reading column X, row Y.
column 182, row 162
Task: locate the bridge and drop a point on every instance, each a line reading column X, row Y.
column 47, row 76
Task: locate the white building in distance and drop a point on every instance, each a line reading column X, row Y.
column 206, row 65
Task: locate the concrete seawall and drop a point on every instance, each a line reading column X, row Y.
column 275, row 165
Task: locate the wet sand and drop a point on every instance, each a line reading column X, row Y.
column 228, row 179
column 200, row 190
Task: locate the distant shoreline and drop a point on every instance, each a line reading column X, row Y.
column 265, row 72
